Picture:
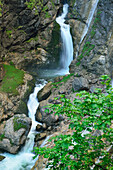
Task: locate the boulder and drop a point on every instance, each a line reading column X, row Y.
column 2, row 157
column 14, row 133
column 46, row 117
column 45, row 92
column 80, row 83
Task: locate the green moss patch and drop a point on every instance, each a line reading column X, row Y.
column 12, row 79
column 18, row 124
column 2, row 136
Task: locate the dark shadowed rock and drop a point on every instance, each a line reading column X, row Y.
column 2, row 157
column 45, row 92
column 80, row 83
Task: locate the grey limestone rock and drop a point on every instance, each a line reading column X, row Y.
column 80, row 83
column 15, row 133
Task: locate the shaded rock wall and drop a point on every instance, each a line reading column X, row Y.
column 96, row 51
column 26, row 38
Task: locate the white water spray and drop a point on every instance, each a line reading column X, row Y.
column 90, row 17
column 67, row 47
column 24, row 159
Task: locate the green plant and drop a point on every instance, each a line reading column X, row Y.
column 78, row 63
column 12, row 79
column 9, row 32
column 1, row 6
column 64, row 80
column 93, row 32
column 17, row 124
column 39, row 6
column 87, row 48
column 2, row 136
column 91, row 121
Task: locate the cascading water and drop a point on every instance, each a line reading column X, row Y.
column 67, row 48
column 90, row 17
column 67, row 44
column 24, row 159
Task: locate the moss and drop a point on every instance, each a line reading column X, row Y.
column 54, row 47
column 17, row 124
column 22, row 108
column 2, row 136
column 31, row 85
column 93, row 33
column 9, row 32
column 12, row 79
column 78, row 63
column 32, row 39
column 87, row 48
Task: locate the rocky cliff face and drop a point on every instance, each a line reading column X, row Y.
column 14, row 123
column 26, row 37
column 96, row 50
column 30, row 40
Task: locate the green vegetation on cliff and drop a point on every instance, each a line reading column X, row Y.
column 89, row 145
column 18, row 124
column 1, row 6
column 12, row 79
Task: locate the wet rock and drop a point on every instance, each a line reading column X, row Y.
column 14, row 133
column 40, row 136
column 102, row 60
column 47, row 118
column 80, row 83
column 41, row 127
column 2, row 157
column 45, row 92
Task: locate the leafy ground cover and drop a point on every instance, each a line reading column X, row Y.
column 90, row 146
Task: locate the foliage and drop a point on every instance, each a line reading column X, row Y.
column 39, row 6
column 12, row 79
column 64, row 80
column 90, row 118
column 2, row 136
column 87, row 48
column 9, row 32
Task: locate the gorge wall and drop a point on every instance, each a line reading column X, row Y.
column 95, row 55
column 30, row 41
column 27, row 38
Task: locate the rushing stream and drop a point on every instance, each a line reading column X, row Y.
column 24, row 159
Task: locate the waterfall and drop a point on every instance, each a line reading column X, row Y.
column 90, row 17
column 24, row 159
column 67, row 44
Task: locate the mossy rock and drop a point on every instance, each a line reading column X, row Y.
column 18, row 124
column 31, row 85
column 54, row 47
column 22, row 108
